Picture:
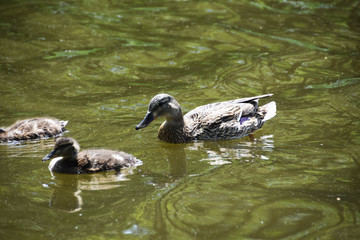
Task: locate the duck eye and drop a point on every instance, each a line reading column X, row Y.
column 163, row 101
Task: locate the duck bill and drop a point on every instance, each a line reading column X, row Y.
column 49, row 156
column 146, row 121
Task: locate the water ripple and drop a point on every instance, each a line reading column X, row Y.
column 250, row 212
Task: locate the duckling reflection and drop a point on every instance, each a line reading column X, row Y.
column 66, row 192
column 67, row 158
column 223, row 152
column 34, row 128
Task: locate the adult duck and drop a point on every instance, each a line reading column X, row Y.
column 33, row 128
column 221, row 120
column 67, row 158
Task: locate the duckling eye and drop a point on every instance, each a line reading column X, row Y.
column 64, row 146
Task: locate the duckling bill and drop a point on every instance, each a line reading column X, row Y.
column 222, row 120
column 66, row 158
column 33, row 128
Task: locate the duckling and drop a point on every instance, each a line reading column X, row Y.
column 32, row 129
column 222, row 120
column 67, row 158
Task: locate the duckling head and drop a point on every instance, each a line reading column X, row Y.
column 162, row 105
column 67, row 148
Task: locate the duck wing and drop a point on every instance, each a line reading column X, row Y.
column 223, row 120
column 209, row 108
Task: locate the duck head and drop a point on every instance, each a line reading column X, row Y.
column 162, row 105
column 67, row 148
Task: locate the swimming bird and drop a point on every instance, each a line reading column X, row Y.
column 33, row 128
column 222, row 120
column 67, row 158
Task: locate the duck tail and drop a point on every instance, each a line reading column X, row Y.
column 270, row 109
column 63, row 123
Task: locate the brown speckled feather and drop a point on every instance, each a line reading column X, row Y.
column 222, row 120
column 33, row 129
column 86, row 161
column 103, row 160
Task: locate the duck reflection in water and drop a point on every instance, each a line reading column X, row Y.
column 176, row 157
column 224, row 152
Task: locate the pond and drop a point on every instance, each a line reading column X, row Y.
column 98, row 63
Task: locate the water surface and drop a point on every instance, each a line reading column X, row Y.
column 98, row 63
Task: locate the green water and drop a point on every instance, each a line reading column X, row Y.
column 98, row 63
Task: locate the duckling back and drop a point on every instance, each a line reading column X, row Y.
column 33, row 129
column 103, row 160
column 66, row 158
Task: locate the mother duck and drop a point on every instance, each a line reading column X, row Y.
column 222, row 120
